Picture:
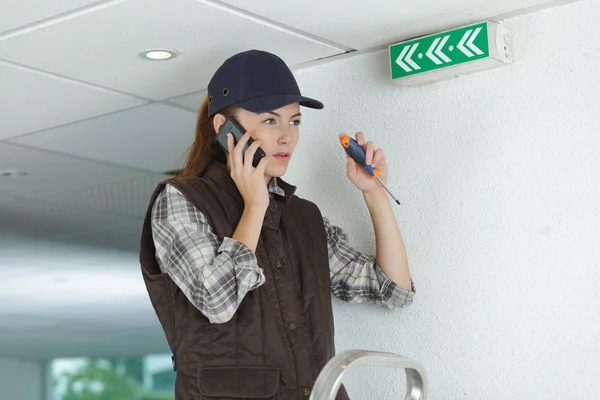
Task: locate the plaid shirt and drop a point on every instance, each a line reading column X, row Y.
column 215, row 276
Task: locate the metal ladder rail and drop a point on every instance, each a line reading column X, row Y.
column 330, row 379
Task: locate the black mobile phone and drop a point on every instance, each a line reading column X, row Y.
column 234, row 127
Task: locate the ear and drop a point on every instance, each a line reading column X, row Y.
column 218, row 122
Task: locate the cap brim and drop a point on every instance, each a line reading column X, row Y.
column 275, row 101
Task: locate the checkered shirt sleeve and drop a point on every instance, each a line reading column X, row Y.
column 356, row 277
column 214, row 276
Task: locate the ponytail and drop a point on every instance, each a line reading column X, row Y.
column 205, row 148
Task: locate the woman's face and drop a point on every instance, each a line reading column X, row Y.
column 278, row 133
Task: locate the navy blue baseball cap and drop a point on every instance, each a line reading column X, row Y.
column 256, row 81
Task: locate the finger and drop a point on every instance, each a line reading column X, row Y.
column 350, row 167
column 379, row 157
column 249, row 155
column 238, row 156
column 239, row 147
column 370, row 149
column 262, row 165
column 230, row 147
column 230, row 143
column 360, row 138
column 350, row 163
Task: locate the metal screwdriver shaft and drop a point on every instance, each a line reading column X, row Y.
column 388, row 190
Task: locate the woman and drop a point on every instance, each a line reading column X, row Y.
column 239, row 270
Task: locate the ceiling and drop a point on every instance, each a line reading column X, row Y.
column 94, row 126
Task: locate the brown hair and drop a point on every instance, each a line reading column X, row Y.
column 205, row 148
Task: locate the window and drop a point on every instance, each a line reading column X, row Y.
column 139, row 378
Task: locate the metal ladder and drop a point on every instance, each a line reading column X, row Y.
column 330, row 378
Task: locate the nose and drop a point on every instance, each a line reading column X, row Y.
column 286, row 135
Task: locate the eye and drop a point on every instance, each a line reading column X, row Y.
column 269, row 121
column 295, row 122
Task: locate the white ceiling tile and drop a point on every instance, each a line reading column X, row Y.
column 31, row 101
column 38, row 256
column 128, row 197
column 123, row 235
column 50, row 173
column 44, row 220
column 94, row 286
column 17, row 13
column 364, row 24
column 109, row 56
column 153, row 137
column 192, row 101
column 10, row 241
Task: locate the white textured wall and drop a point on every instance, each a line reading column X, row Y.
column 21, row 380
column 499, row 178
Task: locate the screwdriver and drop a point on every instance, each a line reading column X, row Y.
column 357, row 153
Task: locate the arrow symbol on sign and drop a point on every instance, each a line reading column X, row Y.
column 407, row 57
column 461, row 44
column 470, row 45
column 430, row 52
column 400, row 57
column 439, row 50
column 470, row 42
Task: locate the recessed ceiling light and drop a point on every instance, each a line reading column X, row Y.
column 159, row 54
column 12, row 173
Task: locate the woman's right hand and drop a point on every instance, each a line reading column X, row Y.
column 250, row 181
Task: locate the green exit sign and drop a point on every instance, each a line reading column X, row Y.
column 450, row 54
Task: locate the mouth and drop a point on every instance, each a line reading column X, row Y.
column 283, row 156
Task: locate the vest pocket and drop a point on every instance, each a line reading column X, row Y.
column 238, row 382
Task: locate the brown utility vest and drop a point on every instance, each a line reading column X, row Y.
column 282, row 334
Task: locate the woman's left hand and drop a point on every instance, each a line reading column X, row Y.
column 376, row 158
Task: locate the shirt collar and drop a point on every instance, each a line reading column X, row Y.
column 274, row 188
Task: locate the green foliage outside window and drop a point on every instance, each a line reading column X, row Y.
column 114, row 379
